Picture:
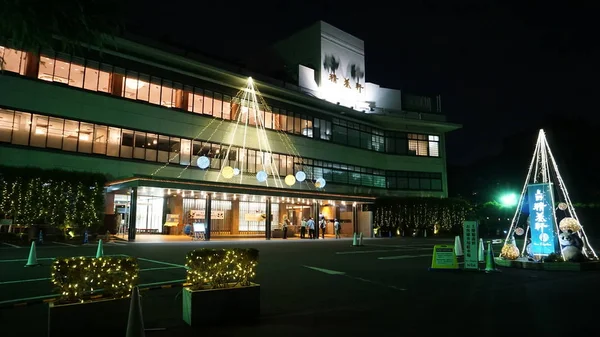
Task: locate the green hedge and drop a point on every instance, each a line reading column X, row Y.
column 221, row 268
column 76, row 278
column 58, row 198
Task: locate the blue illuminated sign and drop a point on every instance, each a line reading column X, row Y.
column 542, row 221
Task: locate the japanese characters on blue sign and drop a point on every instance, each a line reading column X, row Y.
column 541, row 218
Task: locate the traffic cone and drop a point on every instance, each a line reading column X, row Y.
column 32, row 260
column 135, row 322
column 354, row 243
column 481, row 252
column 490, row 264
column 458, row 247
column 360, row 239
column 100, row 251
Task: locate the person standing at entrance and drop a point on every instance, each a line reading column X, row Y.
column 303, row 228
column 336, row 226
column 311, row 228
column 322, row 225
column 285, row 228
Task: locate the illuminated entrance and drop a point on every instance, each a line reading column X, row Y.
column 230, row 211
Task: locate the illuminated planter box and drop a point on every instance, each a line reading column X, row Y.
column 100, row 316
column 230, row 306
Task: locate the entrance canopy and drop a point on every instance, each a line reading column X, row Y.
column 156, row 186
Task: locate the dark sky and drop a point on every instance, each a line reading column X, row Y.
column 499, row 67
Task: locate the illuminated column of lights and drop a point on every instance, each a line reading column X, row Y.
column 548, row 179
column 263, row 138
column 231, row 140
column 192, row 142
column 563, row 189
column 286, row 141
column 517, row 215
column 258, row 124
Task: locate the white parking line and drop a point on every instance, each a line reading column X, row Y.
column 402, row 257
column 62, row 243
column 21, row 281
column 47, row 278
column 380, row 251
column 161, row 262
column 11, row 245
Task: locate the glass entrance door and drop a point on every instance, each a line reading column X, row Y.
column 149, row 214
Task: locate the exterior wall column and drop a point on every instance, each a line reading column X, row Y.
column 207, row 216
column 268, row 219
column 32, row 65
column 116, row 84
column 235, row 217
column 355, row 217
column 316, row 217
column 109, row 203
column 132, row 214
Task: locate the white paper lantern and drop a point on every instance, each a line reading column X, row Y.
column 562, row 206
column 261, row 176
column 236, row 171
column 227, row 172
column 519, row 231
column 203, row 162
column 290, row 180
column 320, row 183
column 300, row 176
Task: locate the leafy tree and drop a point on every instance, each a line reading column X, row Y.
column 31, row 24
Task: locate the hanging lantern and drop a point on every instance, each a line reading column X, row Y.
column 261, row 176
column 569, row 223
column 320, row 183
column 510, row 251
column 300, row 176
column 563, row 206
column 519, row 231
column 236, row 171
column 227, row 172
column 203, row 162
column 290, row 180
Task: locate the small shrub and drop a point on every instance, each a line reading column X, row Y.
column 78, row 277
column 221, row 268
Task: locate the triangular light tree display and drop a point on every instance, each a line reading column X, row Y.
column 551, row 212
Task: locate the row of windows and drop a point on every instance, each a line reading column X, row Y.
column 95, row 76
column 23, row 128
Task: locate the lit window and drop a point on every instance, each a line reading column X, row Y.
column 419, row 147
column 434, row 146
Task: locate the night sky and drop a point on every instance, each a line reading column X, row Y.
column 500, row 68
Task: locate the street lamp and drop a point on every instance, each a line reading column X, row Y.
column 509, row 200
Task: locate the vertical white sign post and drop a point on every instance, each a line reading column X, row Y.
column 471, row 240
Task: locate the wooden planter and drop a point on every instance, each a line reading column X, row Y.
column 104, row 316
column 231, row 306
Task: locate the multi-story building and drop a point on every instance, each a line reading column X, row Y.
column 184, row 141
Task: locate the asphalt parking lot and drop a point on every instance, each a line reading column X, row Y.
column 324, row 287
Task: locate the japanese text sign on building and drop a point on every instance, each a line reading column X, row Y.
column 541, row 218
column 471, row 238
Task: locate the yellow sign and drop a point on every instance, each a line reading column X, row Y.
column 443, row 258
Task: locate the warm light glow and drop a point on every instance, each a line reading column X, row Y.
column 290, row 180
column 134, row 84
column 227, row 172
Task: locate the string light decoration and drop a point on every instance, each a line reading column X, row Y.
column 510, row 251
column 543, row 169
column 58, row 198
column 79, row 277
column 221, row 268
column 413, row 213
